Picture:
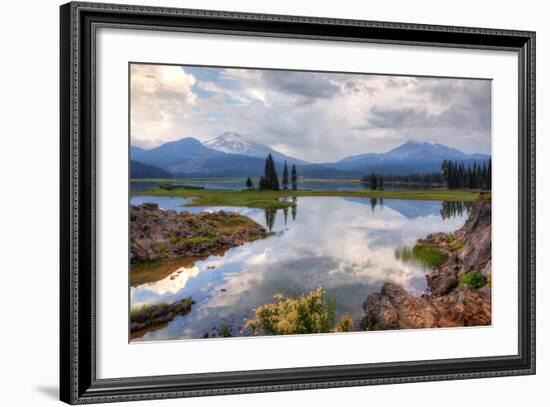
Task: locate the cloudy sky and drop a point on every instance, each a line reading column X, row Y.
column 313, row 116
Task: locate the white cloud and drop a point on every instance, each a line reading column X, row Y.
column 160, row 97
column 313, row 116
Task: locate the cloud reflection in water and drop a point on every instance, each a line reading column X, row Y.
column 339, row 244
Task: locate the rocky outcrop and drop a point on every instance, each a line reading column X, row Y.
column 468, row 250
column 152, row 317
column 156, row 234
column 395, row 308
column 459, row 292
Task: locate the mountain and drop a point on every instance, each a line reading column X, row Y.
column 235, row 143
column 141, row 170
column 185, row 155
column 231, row 155
column 410, row 157
column 135, row 152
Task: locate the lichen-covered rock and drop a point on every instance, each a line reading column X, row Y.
column 156, row 234
column 448, row 302
column 395, row 308
column 150, row 317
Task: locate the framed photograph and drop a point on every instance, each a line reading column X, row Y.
column 255, row 203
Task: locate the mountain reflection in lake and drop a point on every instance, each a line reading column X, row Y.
column 345, row 245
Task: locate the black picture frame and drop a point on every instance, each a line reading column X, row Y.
column 78, row 382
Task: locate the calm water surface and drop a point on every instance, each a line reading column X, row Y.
column 141, row 186
column 345, row 245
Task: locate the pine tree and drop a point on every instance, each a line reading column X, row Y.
column 373, row 181
column 262, row 185
column 285, row 177
column 294, row 178
column 249, row 183
column 267, row 184
column 269, row 181
column 380, row 182
column 273, row 179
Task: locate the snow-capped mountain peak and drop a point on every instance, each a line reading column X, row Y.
column 234, row 143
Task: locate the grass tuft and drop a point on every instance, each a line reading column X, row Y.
column 473, row 279
column 429, row 255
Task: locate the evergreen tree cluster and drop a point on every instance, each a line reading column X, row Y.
column 294, row 178
column 424, row 179
column 375, row 181
column 457, row 175
column 270, row 180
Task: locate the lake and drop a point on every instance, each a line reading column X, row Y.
column 345, row 245
column 315, row 185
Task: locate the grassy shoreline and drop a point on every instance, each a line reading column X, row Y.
column 270, row 199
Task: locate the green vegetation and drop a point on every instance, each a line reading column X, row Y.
column 404, row 253
column 270, row 180
column 375, row 181
column 429, row 255
column 421, row 180
column 225, row 331
column 171, row 187
column 146, row 308
column 151, row 317
column 285, row 177
column 187, row 180
column 456, row 246
column 473, row 279
column 294, row 178
column 253, row 198
column 310, row 313
column 159, row 249
column 476, row 176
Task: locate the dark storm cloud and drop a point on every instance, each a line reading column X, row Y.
column 306, row 84
column 470, row 100
column 468, row 107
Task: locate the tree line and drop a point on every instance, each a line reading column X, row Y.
column 269, row 181
column 457, row 175
column 453, row 175
column 376, row 181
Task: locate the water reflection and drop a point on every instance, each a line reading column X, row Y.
column 451, row 209
column 334, row 243
column 270, row 215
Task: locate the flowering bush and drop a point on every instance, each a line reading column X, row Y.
column 309, row 313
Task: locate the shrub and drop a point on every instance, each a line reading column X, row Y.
column 160, row 249
column 429, row 255
column 345, row 324
column 457, row 245
column 472, row 279
column 225, row 331
column 304, row 314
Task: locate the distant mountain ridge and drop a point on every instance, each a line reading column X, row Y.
column 140, row 170
column 235, row 143
column 231, row 155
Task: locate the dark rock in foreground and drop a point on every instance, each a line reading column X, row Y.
column 459, row 291
column 153, row 316
column 395, row 308
column 157, row 234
